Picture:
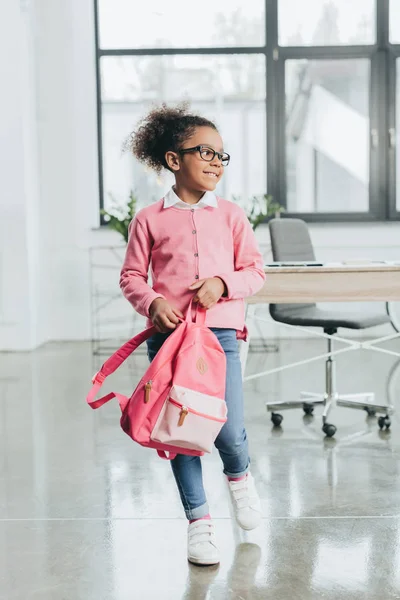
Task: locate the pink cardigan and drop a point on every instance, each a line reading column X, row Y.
column 181, row 246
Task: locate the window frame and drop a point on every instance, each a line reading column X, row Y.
column 382, row 91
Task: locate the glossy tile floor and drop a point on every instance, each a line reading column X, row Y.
column 85, row 514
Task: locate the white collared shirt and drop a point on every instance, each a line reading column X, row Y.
column 208, row 199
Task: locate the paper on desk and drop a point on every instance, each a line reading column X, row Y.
column 366, row 261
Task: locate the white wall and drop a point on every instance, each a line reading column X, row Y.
column 48, row 154
column 21, row 313
column 49, row 192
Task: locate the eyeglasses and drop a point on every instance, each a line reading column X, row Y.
column 208, row 154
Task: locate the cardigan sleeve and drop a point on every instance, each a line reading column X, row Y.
column 134, row 274
column 249, row 276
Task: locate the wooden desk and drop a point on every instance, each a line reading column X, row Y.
column 330, row 283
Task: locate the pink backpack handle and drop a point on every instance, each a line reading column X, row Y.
column 116, row 360
column 200, row 317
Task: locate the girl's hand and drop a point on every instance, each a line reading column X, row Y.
column 209, row 291
column 163, row 315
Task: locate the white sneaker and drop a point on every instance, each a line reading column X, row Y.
column 202, row 547
column 246, row 502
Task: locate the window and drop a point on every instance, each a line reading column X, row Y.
column 228, row 89
column 395, row 138
column 394, row 21
column 306, row 96
column 137, row 67
column 327, row 135
column 326, row 22
column 183, row 24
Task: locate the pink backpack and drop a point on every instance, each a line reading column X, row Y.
column 179, row 404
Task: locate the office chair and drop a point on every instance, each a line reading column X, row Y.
column 290, row 241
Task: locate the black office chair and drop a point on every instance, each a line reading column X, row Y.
column 290, row 241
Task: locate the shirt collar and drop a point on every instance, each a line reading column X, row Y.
column 208, row 199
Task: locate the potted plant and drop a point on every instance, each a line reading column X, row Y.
column 262, row 208
column 118, row 217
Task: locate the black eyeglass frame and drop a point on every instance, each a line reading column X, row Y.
column 221, row 155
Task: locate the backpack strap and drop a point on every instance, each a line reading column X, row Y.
column 111, row 365
column 162, row 454
column 200, row 314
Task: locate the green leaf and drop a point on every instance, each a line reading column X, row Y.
column 119, row 217
column 259, row 208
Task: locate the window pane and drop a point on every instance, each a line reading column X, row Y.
column 394, row 21
column 398, row 134
column 229, row 90
column 184, row 24
column 326, row 22
column 327, row 135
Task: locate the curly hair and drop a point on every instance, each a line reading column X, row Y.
column 164, row 128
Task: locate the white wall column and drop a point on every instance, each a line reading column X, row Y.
column 21, row 323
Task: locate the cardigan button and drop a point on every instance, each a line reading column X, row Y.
column 196, row 277
column 196, row 255
column 194, row 231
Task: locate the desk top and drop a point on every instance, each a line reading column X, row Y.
column 335, row 268
column 332, row 282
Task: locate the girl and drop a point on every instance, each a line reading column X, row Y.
column 196, row 244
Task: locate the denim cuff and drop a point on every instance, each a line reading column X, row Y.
column 237, row 475
column 197, row 513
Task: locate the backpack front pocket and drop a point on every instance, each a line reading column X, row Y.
column 190, row 419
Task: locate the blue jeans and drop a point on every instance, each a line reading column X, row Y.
column 231, row 442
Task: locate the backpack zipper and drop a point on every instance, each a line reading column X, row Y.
column 147, row 390
column 182, row 415
column 185, row 411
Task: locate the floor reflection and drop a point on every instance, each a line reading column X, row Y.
column 85, row 514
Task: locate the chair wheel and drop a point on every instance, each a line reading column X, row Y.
column 371, row 412
column 277, row 419
column 308, row 408
column 329, row 429
column 384, row 422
